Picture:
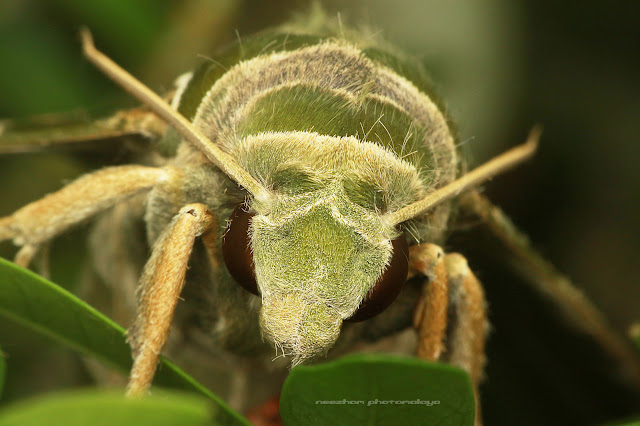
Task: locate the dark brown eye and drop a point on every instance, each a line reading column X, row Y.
column 236, row 249
column 388, row 286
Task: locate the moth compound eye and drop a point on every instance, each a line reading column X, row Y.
column 236, row 249
column 388, row 286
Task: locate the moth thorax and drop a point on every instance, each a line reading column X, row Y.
column 299, row 327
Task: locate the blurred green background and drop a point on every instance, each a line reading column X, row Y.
column 501, row 66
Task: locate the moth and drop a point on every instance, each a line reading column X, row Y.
column 295, row 207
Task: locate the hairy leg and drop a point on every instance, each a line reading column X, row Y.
column 159, row 290
column 430, row 315
column 450, row 316
column 469, row 328
column 40, row 221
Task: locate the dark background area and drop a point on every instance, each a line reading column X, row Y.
column 501, row 67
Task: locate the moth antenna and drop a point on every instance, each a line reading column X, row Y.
column 478, row 175
column 221, row 159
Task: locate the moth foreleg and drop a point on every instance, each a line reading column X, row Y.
column 451, row 287
column 469, row 326
column 430, row 315
column 51, row 131
column 450, row 317
column 468, row 331
column 42, row 220
column 159, row 289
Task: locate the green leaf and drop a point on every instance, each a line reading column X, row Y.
column 101, row 407
column 375, row 389
column 50, row 310
column 3, row 368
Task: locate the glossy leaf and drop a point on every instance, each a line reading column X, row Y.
column 100, row 407
column 375, row 389
column 50, row 310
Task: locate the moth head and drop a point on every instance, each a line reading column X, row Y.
column 318, row 259
column 323, row 246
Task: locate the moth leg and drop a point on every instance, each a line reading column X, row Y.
column 451, row 287
column 451, row 290
column 469, row 325
column 430, row 315
column 25, row 255
column 159, row 290
column 71, row 129
column 42, row 220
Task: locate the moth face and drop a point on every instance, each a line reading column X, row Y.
column 320, row 249
column 317, row 258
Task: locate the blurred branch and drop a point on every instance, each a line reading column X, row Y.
column 546, row 279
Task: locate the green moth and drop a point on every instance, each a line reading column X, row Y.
column 295, row 206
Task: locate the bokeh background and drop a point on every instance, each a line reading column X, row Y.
column 501, row 66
